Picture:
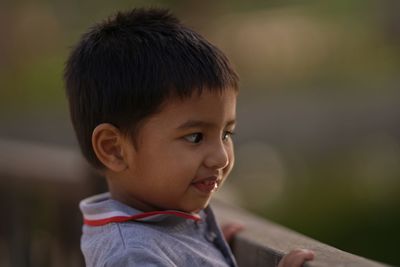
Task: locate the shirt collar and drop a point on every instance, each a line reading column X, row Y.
column 101, row 209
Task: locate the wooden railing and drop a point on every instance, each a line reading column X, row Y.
column 40, row 187
column 263, row 243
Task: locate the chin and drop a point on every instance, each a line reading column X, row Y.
column 198, row 207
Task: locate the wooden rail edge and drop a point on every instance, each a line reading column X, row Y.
column 262, row 243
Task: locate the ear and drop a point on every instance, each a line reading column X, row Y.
column 108, row 145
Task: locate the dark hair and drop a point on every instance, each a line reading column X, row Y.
column 124, row 68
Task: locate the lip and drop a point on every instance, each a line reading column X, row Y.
column 207, row 185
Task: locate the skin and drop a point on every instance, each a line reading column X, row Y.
column 296, row 258
column 188, row 141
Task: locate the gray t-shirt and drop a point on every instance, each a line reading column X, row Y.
column 115, row 234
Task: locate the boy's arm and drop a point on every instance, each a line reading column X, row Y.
column 229, row 230
column 296, row 258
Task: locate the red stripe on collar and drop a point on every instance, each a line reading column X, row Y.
column 140, row 216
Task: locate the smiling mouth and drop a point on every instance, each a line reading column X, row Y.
column 207, row 185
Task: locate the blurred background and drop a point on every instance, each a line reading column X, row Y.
column 318, row 140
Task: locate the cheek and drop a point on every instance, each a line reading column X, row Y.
column 172, row 161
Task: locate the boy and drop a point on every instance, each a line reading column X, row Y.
column 153, row 105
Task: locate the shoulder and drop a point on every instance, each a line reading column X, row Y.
column 118, row 244
column 118, row 235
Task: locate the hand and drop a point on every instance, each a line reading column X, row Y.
column 296, row 258
column 229, row 230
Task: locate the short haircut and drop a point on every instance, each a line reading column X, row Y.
column 124, row 68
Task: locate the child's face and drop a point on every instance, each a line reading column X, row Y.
column 183, row 154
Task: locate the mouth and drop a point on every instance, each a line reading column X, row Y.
column 207, row 185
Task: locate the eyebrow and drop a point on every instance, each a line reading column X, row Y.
column 202, row 124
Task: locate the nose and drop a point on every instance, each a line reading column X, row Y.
column 218, row 157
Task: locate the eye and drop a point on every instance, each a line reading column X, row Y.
column 227, row 135
column 194, row 138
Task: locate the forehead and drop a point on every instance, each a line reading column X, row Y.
column 212, row 107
